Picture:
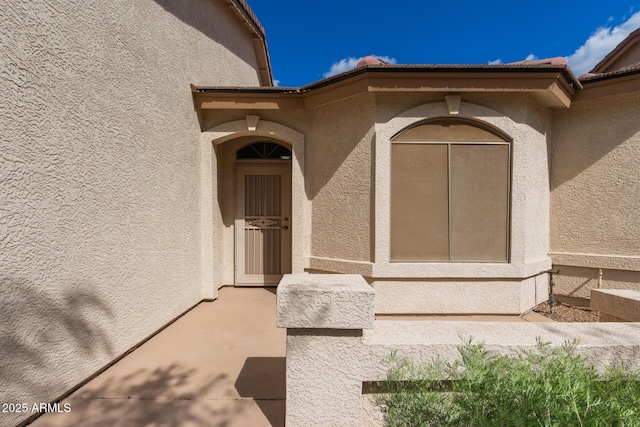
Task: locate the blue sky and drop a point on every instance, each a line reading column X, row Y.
column 310, row 39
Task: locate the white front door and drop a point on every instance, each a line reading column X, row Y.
column 263, row 224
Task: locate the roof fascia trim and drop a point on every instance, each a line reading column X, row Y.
column 245, row 13
column 614, row 85
column 616, row 52
column 551, row 87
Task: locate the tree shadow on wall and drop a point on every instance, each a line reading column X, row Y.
column 44, row 331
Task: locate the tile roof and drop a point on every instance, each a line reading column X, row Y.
column 557, row 60
column 591, row 76
column 624, row 71
column 498, row 68
column 623, row 45
column 410, row 68
column 370, row 60
column 244, row 6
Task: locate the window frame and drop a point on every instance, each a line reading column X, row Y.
column 272, row 155
column 454, row 120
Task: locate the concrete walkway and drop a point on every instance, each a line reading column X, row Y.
column 222, row 364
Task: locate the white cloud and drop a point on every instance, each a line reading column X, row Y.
column 276, row 82
column 601, row 42
column 343, row 65
column 350, row 63
column 626, row 14
column 530, row 57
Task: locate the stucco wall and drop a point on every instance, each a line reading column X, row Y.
column 595, row 187
column 577, row 282
column 338, row 182
column 451, row 296
column 99, row 220
column 340, row 161
column 334, row 346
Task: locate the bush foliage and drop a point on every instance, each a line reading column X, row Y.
column 550, row 386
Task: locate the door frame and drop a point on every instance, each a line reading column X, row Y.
column 265, row 167
column 217, row 170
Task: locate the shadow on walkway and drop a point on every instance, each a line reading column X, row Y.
column 222, row 364
column 263, row 379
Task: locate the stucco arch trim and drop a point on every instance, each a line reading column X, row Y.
column 212, row 249
column 478, row 113
column 235, row 129
column 474, row 112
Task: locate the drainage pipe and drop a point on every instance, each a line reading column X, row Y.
column 599, row 278
column 551, row 273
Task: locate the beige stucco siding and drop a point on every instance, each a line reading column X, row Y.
column 577, row 282
column 595, row 194
column 99, row 178
column 538, row 122
column 340, row 160
column 596, row 151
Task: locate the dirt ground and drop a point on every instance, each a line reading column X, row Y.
column 567, row 313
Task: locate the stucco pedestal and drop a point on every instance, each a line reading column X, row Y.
column 616, row 305
column 334, row 346
column 324, row 316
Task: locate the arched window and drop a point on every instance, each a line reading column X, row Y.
column 450, row 190
column 264, row 150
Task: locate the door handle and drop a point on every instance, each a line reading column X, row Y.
column 285, row 227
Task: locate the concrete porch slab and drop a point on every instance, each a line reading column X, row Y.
column 221, row 364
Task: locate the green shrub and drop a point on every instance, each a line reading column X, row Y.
column 546, row 387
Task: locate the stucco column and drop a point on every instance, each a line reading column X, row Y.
column 324, row 315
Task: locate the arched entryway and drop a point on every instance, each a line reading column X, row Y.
column 263, row 213
column 220, row 147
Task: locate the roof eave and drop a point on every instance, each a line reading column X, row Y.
column 449, row 68
column 551, row 85
column 616, row 52
column 608, row 85
column 256, row 29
